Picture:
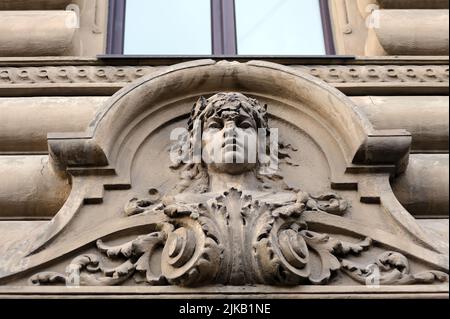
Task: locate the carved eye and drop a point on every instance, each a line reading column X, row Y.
column 245, row 125
column 215, row 125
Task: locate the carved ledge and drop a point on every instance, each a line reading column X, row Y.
column 109, row 79
column 384, row 148
column 127, row 74
column 75, row 150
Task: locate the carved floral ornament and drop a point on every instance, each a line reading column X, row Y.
column 235, row 237
column 235, row 240
column 228, row 220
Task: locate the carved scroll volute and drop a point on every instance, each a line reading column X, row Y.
column 180, row 247
column 281, row 252
column 190, row 257
column 294, row 249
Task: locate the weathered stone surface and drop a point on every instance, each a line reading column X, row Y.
column 30, row 188
column 437, row 228
column 53, row 28
column 366, row 6
column 34, row 4
column 348, row 19
column 22, row 133
column 90, row 38
column 423, row 189
column 425, row 117
column 409, row 32
column 390, row 27
column 357, row 79
column 127, row 208
column 146, row 209
column 36, row 33
column 261, row 293
column 414, row 4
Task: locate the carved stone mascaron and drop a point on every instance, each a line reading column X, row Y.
column 138, row 217
column 236, row 237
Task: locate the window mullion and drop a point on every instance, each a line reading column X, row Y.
column 223, row 27
column 116, row 27
column 229, row 27
column 217, row 27
column 327, row 29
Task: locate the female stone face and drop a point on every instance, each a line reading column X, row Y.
column 229, row 142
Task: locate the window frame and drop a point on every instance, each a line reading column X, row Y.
column 223, row 28
column 116, row 27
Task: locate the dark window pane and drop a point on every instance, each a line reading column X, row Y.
column 164, row 27
column 279, row 27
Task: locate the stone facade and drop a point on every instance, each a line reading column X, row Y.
column 97, row 194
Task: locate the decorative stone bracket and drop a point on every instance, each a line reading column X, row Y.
column 258, row 231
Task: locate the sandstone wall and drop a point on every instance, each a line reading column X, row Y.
column 52, row 27
column 391, row 27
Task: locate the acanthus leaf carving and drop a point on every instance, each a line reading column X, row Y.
column 87, row 270
column 328, row 250
column 391, row 268
column 235, row 239
column 48, row 278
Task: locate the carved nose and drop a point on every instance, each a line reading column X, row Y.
column 230, row 131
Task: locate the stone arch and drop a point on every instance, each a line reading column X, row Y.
column 354, row 138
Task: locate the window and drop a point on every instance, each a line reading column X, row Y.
column 278, row 27
column 220, row 27
column 173, row 27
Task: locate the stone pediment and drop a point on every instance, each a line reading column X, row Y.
column 327, row 217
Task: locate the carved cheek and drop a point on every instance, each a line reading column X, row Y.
column 249, row 140
column 206, row 139
column 211, row 143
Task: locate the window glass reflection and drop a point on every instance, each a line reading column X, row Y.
column 279, row 27
column 168, row 27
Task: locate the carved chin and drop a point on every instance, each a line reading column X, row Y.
column 232, row 168
column 233, row 157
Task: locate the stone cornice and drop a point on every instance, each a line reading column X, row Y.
column 86, row 76
column 117, row 60
column 257, row 292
